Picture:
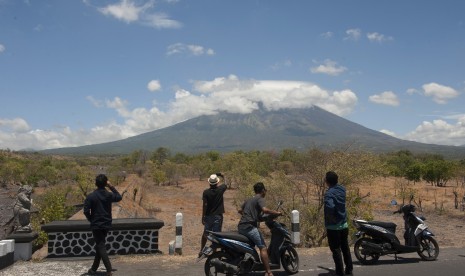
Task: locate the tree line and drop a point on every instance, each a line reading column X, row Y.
column 295, row 176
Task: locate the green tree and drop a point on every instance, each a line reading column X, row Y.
column 51, row 206
column 437, row 172
column 413, row 172
column 160, row 155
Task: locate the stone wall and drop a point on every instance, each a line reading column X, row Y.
column 73, row 238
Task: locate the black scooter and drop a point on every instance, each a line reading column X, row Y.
column 375, row 239
column 231, row 253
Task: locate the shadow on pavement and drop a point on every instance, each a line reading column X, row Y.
column 400, row 260
column 329, row 271
column 275, row 273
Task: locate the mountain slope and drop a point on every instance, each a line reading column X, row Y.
column 263, row 130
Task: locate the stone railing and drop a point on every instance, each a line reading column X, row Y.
column 73, row 238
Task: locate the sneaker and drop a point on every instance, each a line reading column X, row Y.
column 91, row 272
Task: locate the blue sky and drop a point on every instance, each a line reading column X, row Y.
column 85, row 72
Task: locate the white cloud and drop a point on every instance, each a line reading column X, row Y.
column 154, row 85
column 377, row 37
column 126, row 10
column 16, row 124
column 327, row 35
column 94, row 102
column 386, row 98
column 412, row 91
column 440, row 132
column 2, row 48
column 329, row 67
column 353, row 34
column 130, row 12
column 440, row 93
column 161, row 21
column 223, row 94
column 181, row 48
column 388, row 132
column 281, row 64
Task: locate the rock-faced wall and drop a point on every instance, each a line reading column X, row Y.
column 73, row 238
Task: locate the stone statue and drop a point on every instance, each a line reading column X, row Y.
column 22, row 210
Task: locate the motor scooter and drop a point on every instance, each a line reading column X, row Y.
column 231, row 253
column 375, row 238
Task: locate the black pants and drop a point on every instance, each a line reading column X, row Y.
column 100, row 236
column 338, row 241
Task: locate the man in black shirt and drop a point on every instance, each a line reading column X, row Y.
column 212, row 207
column 251, row 211
column 97, row 209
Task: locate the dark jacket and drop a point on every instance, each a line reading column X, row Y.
column 97, row 207
column 335, row 206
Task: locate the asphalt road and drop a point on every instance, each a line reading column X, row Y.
column 451, row 262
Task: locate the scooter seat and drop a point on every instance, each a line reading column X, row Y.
column 387, row 225
column 233, row 236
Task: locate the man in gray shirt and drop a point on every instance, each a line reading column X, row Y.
column 251, row 211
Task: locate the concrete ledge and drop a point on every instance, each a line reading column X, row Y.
column 117, row 224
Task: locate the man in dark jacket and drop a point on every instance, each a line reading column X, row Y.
column 336, row 224
column 97, row 209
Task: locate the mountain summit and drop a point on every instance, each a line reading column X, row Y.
column 263, row 130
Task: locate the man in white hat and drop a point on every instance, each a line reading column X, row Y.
column 212, row 207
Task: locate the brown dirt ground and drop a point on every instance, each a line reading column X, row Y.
column 163, row 202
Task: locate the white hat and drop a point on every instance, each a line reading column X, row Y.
column 213, row 180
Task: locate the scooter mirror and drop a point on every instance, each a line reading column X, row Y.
column 393, row 202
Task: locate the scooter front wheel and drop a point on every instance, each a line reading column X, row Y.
column 364, row 257
column 429, row 248
column 290, row 260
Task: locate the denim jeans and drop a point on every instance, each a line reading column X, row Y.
column 254, row 235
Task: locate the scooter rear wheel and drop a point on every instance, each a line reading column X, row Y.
column 429, row 249
column 290, row 260
column 364, row 257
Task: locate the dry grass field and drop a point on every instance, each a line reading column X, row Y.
column 163, row 202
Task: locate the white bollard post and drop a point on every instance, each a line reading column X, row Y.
column 171, row 248
column 295, row 227
column 178, row 243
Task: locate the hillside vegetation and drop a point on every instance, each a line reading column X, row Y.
column 297, row 177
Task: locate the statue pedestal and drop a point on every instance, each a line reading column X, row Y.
column 23, row 245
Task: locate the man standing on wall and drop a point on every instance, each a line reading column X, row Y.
column 336, row 224
column 97, row 209
column 212, row 207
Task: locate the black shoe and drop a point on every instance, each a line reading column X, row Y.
column 91, row 272
column 348, row 272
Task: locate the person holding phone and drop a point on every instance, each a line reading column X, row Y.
column 97, row 209
column 212, row 207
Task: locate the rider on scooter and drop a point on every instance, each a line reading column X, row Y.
column 251, row 211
